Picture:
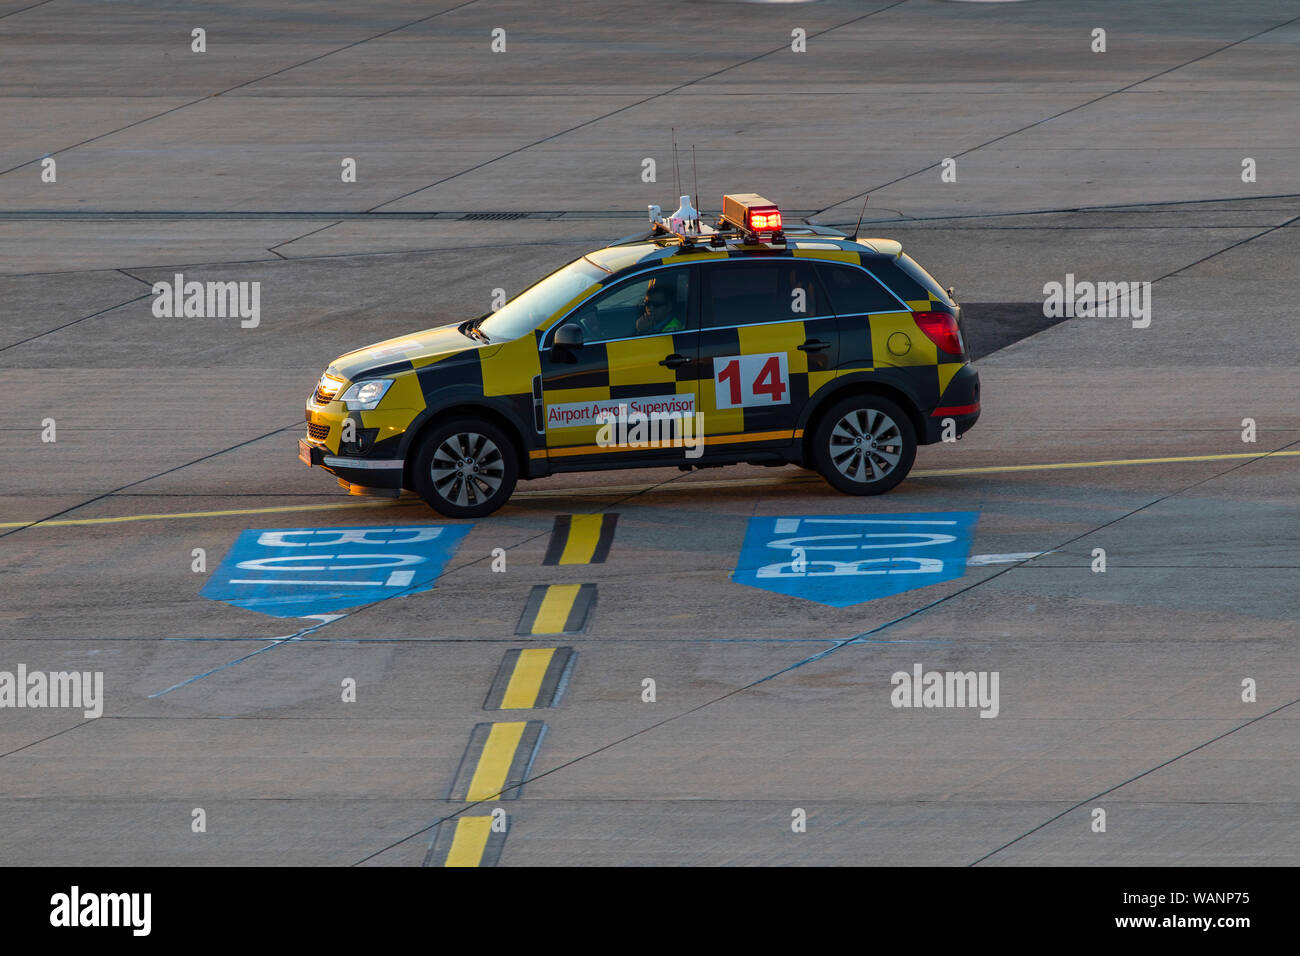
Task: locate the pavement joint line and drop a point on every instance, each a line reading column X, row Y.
column 363, row 641
column 431, row 250
column 14, row 528
column 280, row 245
column 857, row 639
column 641, row 102
column 1227, row 248
column 208, row 96
column 585, row 241
column 1066, row 112
column 31, row 6
column 42, row 740
column 60, row 328
column 275, row 642
column 1136, row 777
column 584, row 215
column 617, row 490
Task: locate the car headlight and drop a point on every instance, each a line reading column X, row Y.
column 362, row 396
column 328, row 388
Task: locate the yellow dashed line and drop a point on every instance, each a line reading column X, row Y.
column 556, row 608
column 494, row 763
column 940, row 472
column 607, row 490
column 526, row 681
column 584, row 534
column 469, row 842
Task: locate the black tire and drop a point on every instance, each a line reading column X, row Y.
column 858, row 451
column 466, row 468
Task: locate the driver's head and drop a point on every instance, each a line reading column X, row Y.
column 660, row 300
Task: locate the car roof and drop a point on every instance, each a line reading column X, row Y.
column 640, row 251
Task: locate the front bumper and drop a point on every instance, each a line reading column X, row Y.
column 379, row 474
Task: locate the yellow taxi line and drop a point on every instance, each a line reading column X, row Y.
column 584, row 535
column 941, row 472
column 526, row 680
column 495, row 761
column 556, row 607
column 606, row 490
column 470, row 841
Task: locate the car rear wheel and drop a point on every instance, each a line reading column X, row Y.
column 864, row 445
column 466, row 468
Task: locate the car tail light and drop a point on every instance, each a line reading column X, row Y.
column 941, row 329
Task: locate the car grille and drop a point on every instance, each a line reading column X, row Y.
column 317, row 432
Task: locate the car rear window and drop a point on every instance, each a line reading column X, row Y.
column 854, row 292
column 913, row 271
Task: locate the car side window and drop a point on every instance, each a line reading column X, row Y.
column 854, row 292
column 776, row 290
column 654, row 304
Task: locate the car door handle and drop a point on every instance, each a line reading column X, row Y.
column 674, row 361
column 814, row 345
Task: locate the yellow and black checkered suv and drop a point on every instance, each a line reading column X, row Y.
column 688, row 347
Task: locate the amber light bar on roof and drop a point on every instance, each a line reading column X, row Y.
column 752, row 213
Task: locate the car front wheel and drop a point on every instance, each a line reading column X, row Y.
column 466, row 468
column 864, row 445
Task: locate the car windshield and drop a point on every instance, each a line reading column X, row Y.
column 540, row 301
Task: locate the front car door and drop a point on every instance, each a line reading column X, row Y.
column 635, row 366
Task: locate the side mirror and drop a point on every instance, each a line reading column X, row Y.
column 568, row 336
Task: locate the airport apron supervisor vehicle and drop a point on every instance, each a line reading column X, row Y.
column 690, row 346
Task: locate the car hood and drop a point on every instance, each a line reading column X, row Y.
column 418, row 348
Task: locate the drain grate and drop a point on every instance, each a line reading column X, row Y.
column 493, row 216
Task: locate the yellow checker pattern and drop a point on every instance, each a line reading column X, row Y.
column 900, row 327
column 636, row 361
column 831, row 255
column 510, row 370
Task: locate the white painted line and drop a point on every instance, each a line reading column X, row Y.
column 980, row 560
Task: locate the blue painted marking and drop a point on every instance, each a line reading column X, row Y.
column 297, row 572
column 842, row 560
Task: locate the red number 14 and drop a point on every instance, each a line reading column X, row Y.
column 768, row 381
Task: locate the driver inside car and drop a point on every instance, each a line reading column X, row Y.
column 660, row 312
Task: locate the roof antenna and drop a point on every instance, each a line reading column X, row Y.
column 695, row 172
column 677, row 176
column 860, row 215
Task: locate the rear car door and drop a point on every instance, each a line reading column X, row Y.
column 768, row 340
column 857, row 296
column 620, row 368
